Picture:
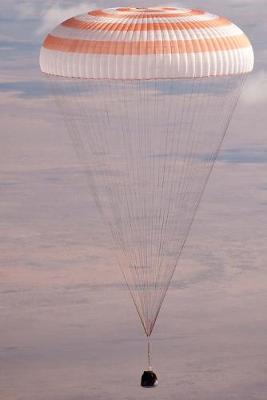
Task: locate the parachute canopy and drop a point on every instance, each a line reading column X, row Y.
column 146, row 43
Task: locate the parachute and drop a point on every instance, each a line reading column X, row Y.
column 147, row 95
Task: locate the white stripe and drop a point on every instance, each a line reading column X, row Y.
column 137, row 11
column 121, row 36
column 96, row 66
column 131, row 20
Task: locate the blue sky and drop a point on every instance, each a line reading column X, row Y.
column 62, row 326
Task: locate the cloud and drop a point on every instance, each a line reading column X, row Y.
column 173, row 4
column 26, row 9
column 244, row 156
column 25, row 89
column 241, row 2
column 58, row 13
column 255, row 90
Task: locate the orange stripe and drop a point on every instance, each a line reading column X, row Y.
column 138, row 10
column 145, row 48
column 149, row 9
column 150, row 26
column 146, row 14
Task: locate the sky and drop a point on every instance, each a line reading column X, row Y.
column 68, row 328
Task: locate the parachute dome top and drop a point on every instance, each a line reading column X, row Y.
column 146, row 43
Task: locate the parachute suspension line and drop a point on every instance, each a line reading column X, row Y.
column 130, row 207
column 62, row 96
column 185, row 185
column 147, row 204
column 125, row 192
column 148, row 149
column 132, row 196
column 211, row 163
column 169, row 193
column 138, row 211
column 187, row 192
column 156, row 210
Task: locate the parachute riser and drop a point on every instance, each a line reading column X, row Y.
column 148, row 354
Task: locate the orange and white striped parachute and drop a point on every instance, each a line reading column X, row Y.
column 147, row 95
column 130, row 43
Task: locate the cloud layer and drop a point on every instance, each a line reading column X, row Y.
column 68, row 331
column 58, row 13
column 255, row 90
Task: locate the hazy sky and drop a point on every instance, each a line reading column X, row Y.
column 68, row 328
